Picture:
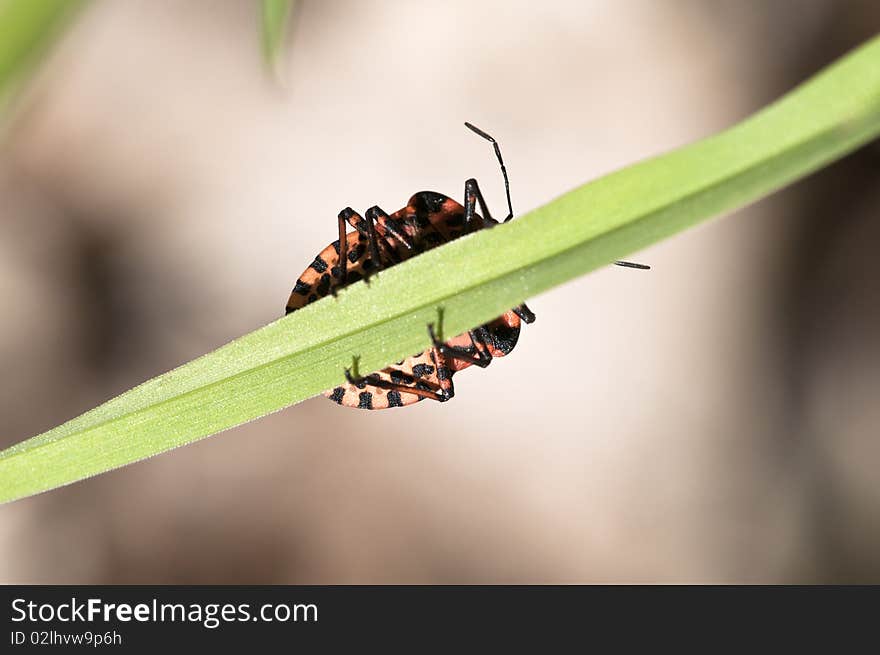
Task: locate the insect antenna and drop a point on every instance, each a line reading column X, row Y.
column 494, row 143
column 490, row 139
column 641, row 267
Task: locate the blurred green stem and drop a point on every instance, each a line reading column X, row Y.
column 27, row 27
column 276, row 17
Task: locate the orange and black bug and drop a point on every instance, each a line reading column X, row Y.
column 381, row 240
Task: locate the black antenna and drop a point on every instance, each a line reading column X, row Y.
column 490, row 139
column 494, row 143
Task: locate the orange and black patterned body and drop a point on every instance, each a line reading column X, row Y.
column 428, row 220
column 322, row 276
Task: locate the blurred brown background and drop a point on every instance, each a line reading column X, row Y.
column 718, row 420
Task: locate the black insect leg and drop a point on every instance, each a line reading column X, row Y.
column 524, row 313
column 494, row 143
column 482, row 358
column 376, row 262
column 392, row 228
column 375, row 381
column 367, row 229
column 472, row 196
column 343, row 217
column 444, row 374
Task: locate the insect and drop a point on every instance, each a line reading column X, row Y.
column 381, row 240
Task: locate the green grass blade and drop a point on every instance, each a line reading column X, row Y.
column 483, row 274
column 276, row 16
column 26, row 28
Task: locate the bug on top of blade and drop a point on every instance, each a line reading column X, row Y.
column 381, row 240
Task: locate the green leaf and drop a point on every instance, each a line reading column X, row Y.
column 483, row 274
column 276, row 15
column 26, row 29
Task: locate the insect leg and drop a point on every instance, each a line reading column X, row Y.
column 472, row 196
column 343, row 217
column 377, row 263
column 524, row 313
column 444, row 373
column 375, row 381
column 482, row 358
column 393, row 229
